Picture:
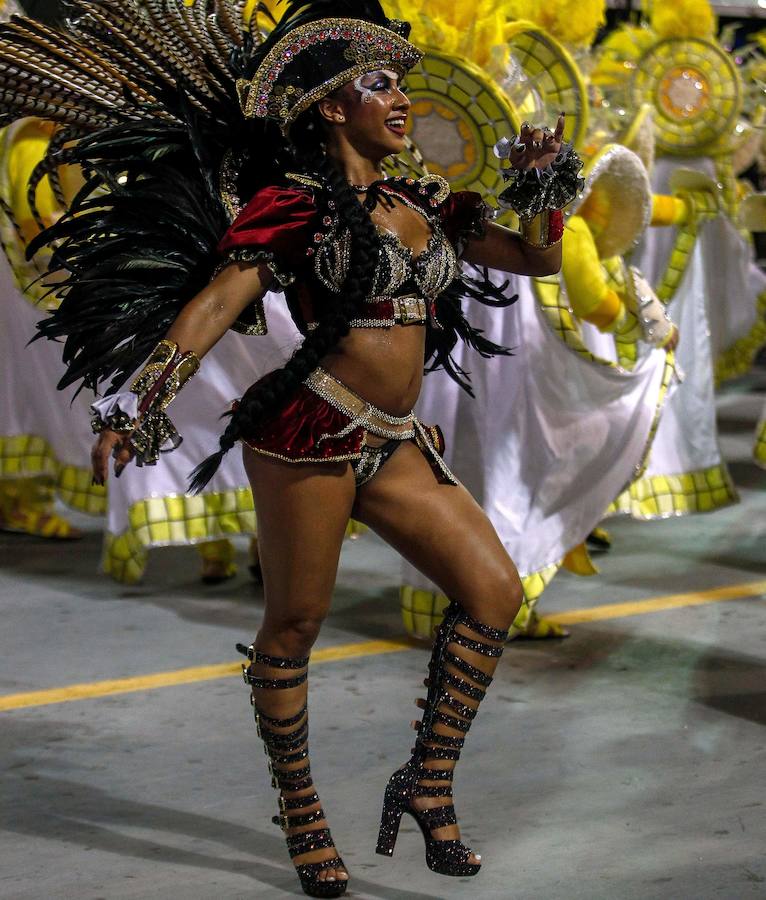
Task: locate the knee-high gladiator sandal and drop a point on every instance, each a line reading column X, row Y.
column 459, row 673
column 285, row 742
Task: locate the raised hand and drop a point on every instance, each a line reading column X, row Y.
column 536, row 147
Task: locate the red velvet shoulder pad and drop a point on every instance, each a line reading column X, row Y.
column 277, row 220
column 464, row 215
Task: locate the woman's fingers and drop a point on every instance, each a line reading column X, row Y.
column 110, row 444
column 559, row 133
column 123, row 454
column 100, row 454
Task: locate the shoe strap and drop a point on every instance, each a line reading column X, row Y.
column 466, row 668
column 463, row 686
column 292, row 803
column 431, row 737
column 475, row 646
column 285, row 821
column 278, row 684
column 451, row 722
column 290, row 758
column 307, row 871
column 288, row 775
column 438, row 816
column 284, row 743
column 435, row 774
column 467, row 712
column 308, row 841
column 281, row 723
column 438, row 753
column 487, row 631
column 275, row 662
column 422, row 790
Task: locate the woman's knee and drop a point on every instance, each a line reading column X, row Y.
column 497, row 597
column 294, row 633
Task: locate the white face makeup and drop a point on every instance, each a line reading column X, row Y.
column 372, row 83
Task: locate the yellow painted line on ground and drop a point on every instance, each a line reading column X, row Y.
column 658, row 604
column 196, row 674
column 182, row 676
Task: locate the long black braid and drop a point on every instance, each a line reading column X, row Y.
column 337, row 309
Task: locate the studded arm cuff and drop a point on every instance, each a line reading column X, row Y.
column 543, row 230
column 141, row 412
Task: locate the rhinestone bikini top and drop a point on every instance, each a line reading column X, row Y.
column 399, row 272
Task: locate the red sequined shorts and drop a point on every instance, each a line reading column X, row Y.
column 327, row 422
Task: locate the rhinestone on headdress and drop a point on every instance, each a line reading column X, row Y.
column 276, row 91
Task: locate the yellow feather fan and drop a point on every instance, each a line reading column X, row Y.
column 474, row 31
column 683, row 19
column 573, row 22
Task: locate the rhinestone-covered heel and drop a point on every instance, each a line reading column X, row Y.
column 455, row 688
column 285, row 742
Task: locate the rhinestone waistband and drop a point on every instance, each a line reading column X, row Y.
column 362, row 414
column 387, row 311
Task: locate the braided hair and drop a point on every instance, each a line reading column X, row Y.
column 336, row 311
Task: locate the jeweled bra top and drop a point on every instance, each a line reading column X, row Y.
column 399, row 275
column 298, row 234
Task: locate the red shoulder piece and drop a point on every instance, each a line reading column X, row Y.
column 464, row 215
column 278, row 221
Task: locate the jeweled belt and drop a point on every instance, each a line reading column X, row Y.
column 362, row 414
column 386, row 311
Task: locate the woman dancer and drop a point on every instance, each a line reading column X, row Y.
column 370, row 268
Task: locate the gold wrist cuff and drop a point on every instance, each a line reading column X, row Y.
column 537, row 231
column 157, row 384
column 166, row 372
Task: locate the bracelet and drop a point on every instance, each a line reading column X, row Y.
column 156, row 386
column 532, row 191
column 166, row 372
column 543, row 230
column 140, row 412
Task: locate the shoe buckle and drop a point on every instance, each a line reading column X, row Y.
column 284, row 823
column 282, row 804
column 245, row 674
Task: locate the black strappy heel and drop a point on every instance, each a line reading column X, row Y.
column 285, row 749
column 450, row 676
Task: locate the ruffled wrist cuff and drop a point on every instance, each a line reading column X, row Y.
column 117, row 412
column 531, row 191
column 153, row 434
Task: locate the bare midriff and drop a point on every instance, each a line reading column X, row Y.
column 384, row 366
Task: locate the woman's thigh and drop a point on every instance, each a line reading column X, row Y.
column 302, row 512
column 444, row 533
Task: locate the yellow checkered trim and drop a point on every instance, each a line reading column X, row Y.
column 725, row 176
column 29, row 456
column 172, row 520
column 563, row 322
column 660, row 496
column 738, row 359
column 705, row 206
column 422, row 610
column 759, row 450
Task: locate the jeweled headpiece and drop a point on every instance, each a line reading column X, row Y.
column 313, row 59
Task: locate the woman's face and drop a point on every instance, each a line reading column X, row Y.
column 373, row 112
